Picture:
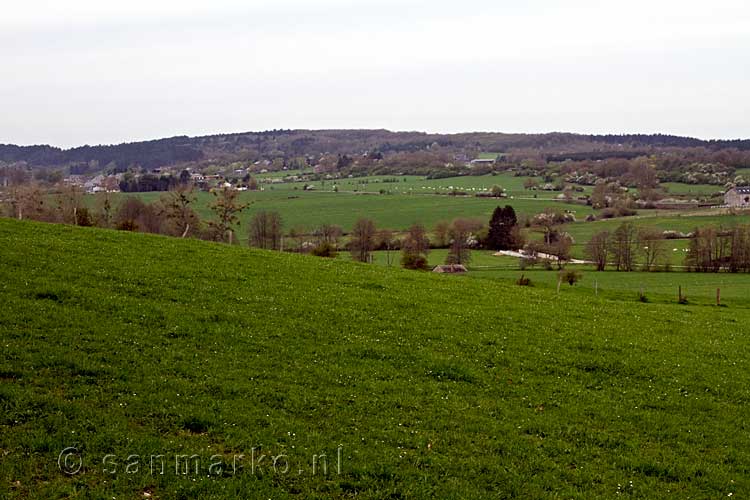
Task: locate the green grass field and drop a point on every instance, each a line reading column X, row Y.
column 309, row 210
column 127, row 346
column 700, row 288
column 699, row 190
column 413, row 184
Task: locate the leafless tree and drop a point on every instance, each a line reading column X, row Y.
column 597, row 249
column 462, row 237
column 651, row 246
column 265, row 230
column 386, row 241
column 227, row 208
column 362, row 239
column 441, row 233
column 176, row 207
column 328, row 234
column 27, row 202
column 622, row 247
column 416, row 240
column 69, row 201
column 104, row 211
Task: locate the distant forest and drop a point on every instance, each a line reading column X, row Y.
column 371, row 152
column 285, row 143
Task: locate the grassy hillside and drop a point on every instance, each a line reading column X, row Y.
column 430, row 386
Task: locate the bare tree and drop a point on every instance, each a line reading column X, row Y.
column 622, row 247
column 441, row 231
column 740, row 249
column 27, row 202
column 651, row 246
column 597, row 249
column 299, row 238
column 265, row 230
column 69, row 202
column 328, row 234
column 560, row 248
column 462, row 238
column 176, row 207
column 362, row 239
column 416, row 241
column 385, row 240
column 415, row 247
column 105, row 212
column 709, row 249
column 227, row 209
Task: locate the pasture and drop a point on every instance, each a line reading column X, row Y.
column 126, row 345
column 382, row 389
column 309, row 210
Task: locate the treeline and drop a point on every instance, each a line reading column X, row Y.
column 173, row 215
column 630, row 248
column 147, row 154
column 288, row 144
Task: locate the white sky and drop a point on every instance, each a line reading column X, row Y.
column 86, row 72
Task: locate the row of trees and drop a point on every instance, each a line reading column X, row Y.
column 714, row 249
column 173, row 214
column 626, row 246
column 711, row 249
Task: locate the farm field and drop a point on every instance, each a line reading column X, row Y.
column 684, row 222
column 414, row 385
column 309, row 210
column 657, row 286
column 479, row 258
column 413, row 184
column 678, row 188
column 699, row 288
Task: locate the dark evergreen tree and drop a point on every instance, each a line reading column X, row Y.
column 501, row 235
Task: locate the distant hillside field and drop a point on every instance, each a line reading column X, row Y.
column 121, row 347
column 309, row 210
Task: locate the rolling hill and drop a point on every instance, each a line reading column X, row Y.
column 120, row 347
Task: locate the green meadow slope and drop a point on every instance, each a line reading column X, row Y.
column 127, row 346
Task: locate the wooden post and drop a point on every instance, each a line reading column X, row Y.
column 718, row 296
column 596, row 288
column 559, row 282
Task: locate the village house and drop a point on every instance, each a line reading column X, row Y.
column 738, row 197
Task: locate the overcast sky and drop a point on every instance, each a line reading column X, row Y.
column 87, row 72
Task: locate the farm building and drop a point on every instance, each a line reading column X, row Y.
column 482, row 161
column 449, row 268
column 737, row 197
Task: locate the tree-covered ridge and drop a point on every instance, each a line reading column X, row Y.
column 286, row 144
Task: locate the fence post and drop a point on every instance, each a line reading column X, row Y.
column 718, row 296
column 559, row 282
column 596, row 288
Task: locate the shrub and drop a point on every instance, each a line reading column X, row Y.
column 523, row 281
column 324, row 250
column 414, row 261
column 83, row 217
column 570, row 276
column 127, row 225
